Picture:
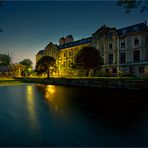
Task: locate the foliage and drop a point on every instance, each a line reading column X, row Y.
column 129, row 5
column 45, row 65
column 26, row 62
column 17, row 69
column 28, row 67
column 87, row 58
column 1, row 3
column 5, row 60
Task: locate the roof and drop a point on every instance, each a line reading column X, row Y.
column 40, row 52
column 102, row 28
column 75, row 43
column 132, row 29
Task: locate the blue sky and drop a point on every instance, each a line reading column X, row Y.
column 30, row 25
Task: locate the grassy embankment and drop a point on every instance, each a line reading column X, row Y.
column 6, row 80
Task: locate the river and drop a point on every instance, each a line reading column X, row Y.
column 48, row 115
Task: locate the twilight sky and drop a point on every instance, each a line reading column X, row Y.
column 28, row 26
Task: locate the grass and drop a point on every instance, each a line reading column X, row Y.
column 7, row 80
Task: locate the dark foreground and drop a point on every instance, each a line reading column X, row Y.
column 48, row 115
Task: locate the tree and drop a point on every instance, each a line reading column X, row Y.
column 129, row 5
column 26, row 62
column 5, row 60
column 28, row 66
column 87, row 58
column 1, row 3
column 17, row 69
column 45, row 65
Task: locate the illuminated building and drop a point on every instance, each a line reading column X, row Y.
column 67, row 52
column 64, row 53
column 124, row 51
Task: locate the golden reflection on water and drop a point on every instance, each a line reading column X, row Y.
column 50, row 92
column 53, row 95
column 31, row 104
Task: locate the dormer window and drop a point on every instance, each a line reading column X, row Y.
column 123, row 31
column 135, row 28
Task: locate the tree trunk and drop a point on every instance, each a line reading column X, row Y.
column 48, row 73
column 87, row 73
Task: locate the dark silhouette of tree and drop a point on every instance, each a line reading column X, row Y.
column 1, row 3
column 87, row 58
column 129, row 5
column 5, row 60
column 26, row 62
column 45, row 65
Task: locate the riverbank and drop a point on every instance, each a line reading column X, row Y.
column 6, row 80
column 127, row 83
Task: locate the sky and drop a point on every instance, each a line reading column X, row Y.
column 28, row 26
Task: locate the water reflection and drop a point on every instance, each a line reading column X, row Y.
column 31, row 104
column 51, row 95
column 50, row 92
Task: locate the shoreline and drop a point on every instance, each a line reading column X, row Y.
column 125, row 83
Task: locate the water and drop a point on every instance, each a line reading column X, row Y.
column 48, row 115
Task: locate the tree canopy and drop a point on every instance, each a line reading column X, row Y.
column 45, row 64
column 28, row 67
column 5, row 60
column 129, row 5
column 26, row 62
column 87, row 58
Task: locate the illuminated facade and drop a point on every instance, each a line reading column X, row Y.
column 50, row 50
column 64, row 54
column 124, row 51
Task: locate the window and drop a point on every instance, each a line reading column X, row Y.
column 65, row 54
column 122, row 57
column 135, row 28
column 136, row 41
column 64, row 64
column 136, row 55
column 141, row 69
column 107, row 70
column 70, row 53
column 110, row 35
column 110, row 46
column 122, row 44
column 110, row 58
column 131, row 70
column 123, row 31
column 114, row 70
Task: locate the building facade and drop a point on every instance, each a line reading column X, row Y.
column 124, row 51
column 66, row 55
